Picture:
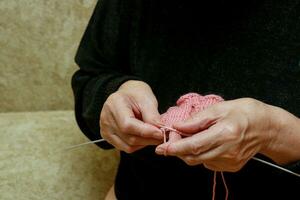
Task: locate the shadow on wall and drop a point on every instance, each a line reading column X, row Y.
column 38, row 41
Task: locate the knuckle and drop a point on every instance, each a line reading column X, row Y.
column 107, row 105
column 102, row 120
column 195, row 148
column 232, row 156
column 103, row 113
column 126, row 126
column 231, row 128
column 103, row 131
column 191, row 161
column 112, row 100
column 112, row 97
column 129, row 149
column 232, row 132
column 142, row 133
column 132, row 141
column 104, row 123
column 251, row 102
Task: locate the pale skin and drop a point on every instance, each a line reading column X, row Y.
column 129, row 116
column 225, row 136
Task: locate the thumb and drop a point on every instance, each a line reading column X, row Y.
column 150, row 114
column 197, row 122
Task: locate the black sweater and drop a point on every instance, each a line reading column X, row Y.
column 232, row 48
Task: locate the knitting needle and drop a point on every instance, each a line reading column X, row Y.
column 171, row 129
column 102, row 140
column 276, row 166
column 254, row 158
column 83, row 144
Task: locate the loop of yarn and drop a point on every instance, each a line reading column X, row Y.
column 186, row 106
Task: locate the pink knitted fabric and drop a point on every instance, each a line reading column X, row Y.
column 187, row 105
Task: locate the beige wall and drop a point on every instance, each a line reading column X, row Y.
column 38, row 41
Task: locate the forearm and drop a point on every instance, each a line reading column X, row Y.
column 284, row 145
column 103, row 66
column 90, row 94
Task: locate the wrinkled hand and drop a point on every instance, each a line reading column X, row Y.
column 225, row 135
column 128, row 117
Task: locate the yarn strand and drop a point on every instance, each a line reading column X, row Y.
column 214, row 185
column 225, row 185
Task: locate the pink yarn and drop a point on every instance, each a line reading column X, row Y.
column 187, row 105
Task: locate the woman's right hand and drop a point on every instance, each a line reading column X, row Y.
column 129, row 116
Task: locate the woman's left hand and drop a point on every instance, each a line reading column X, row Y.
column 225, row 135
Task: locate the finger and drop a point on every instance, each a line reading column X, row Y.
column 199, row 121
column 136, row 140
column 223, row 166
column 141, row 129
column 106, row 121
column 197, row 143
column 150, row 113
column 190, row 160
column 213, row 167
column 118, row 143
column 163, row 148
column 173, row 137
column 208, row 156
column 128, row 124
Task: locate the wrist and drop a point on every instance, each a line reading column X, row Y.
column 272, row 129
column 283, row 142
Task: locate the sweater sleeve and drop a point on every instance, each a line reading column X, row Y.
column 103, row 61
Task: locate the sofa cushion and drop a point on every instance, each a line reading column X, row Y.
column 34, row 164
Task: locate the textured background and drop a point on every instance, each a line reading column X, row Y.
column 35, row 166
column 38, row 40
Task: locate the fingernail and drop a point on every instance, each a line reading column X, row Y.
column 159, row 151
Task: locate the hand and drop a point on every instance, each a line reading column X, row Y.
column 226, row 135
column 128, row 117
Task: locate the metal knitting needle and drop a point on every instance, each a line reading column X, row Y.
column 254, row 158
column 276, row 166
column 102, row 140
column 171, row 129
column 83, row 144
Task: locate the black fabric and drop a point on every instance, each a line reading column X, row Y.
column 231, row 48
